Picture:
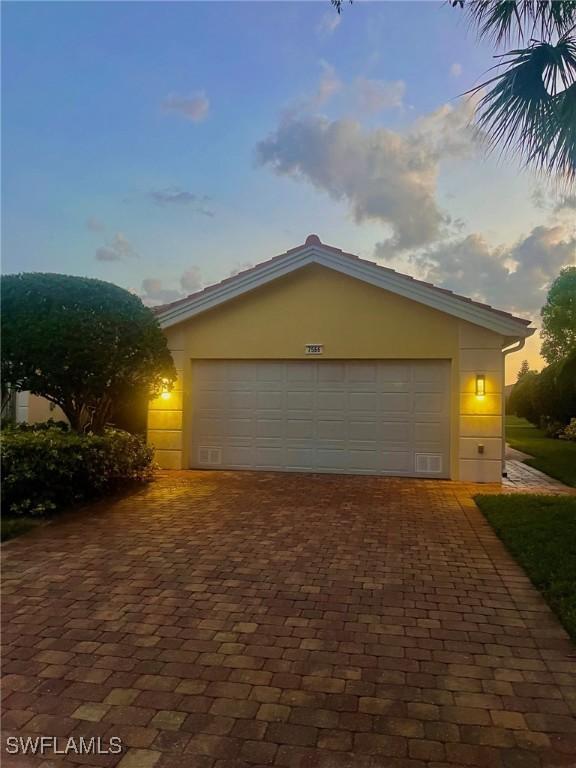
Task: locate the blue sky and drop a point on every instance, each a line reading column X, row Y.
column 162, row 146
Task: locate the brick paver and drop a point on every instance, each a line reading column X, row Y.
column 221, row 620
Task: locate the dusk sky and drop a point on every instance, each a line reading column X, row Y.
column 164, row 146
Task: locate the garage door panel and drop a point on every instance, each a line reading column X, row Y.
column 300, row 400
column 396, row 431
column 395, row 379
column 300, row 458
column 396, row 462
column 332, row 373
column 361, row 460
column 332, row 429
column 270, row 400
column 363, row 430
column 240, row 428
column 212, row 400
column 363, row 401
column 269, row 456
column 429, row 403
column 271, row 372
column 270, row 428
column 238, row 400
column 334, row 459
column 300, row 372
column 331, row 401
column 372, row 417
column 207, row 372
column 395, row 402
column 211, row 426
column 424, row 372
column 426, row 431
column 241, row 374
column 299, row 428
column 362, row 373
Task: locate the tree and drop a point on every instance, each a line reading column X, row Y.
column 528, row 108
column 547, row 399
column 524, row 368
column 81, row 343
column 559, row 317
column 522, row 401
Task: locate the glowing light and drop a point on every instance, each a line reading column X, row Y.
column 165, row 394
column 480, row 385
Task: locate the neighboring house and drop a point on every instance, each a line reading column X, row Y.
column 318, row 361
column 33, row 409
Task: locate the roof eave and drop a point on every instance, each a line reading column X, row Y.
column 443, row 301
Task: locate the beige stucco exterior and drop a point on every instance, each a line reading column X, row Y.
column 33, row 409
column 353, row 320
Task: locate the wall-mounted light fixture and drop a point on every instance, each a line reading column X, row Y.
column 165, row 394
column 480, row 385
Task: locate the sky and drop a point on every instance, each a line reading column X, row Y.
column 163, row 146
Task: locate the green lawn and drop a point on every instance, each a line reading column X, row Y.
column 556, row 458
column 540, row 532
column 10, row 527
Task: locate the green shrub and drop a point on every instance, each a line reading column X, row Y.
column 46, row 470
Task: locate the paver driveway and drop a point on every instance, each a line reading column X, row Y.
column 239, row 619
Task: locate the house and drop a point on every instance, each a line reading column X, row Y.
column 319, row 361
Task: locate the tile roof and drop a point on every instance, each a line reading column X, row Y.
column 314, row 240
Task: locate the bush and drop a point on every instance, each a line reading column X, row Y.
column 46, row 470
column 523, row 398
column 570, row 432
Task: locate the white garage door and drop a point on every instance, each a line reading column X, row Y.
column 358, row 417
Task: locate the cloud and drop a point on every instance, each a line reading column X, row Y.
column 566, row 203
column 382, row 175
column 120, row 249
column 94, row 225
column 376, row 95
column 514, row 277
column 456, row 69
column 191, row 280
column 173, row 196
column 328, row 86
column 328, row 23
column 194, row 108
column 558, row 203
column 181, row 197
column 154, row 292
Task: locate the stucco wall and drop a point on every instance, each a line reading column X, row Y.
column 481, row 419
column 33, row 409
column 353, row 320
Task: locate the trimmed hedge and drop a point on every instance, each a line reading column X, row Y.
column 46, row 470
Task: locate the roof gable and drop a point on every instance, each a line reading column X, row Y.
column 315, row 252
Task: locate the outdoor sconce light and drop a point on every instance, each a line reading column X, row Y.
column 165, row 395
column 480, row 385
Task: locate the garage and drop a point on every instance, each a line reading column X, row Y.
column 319, row 361
column 352, row 417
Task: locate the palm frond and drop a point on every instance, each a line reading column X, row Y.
column 530, row 108
column 505, row 20
column 338, row 5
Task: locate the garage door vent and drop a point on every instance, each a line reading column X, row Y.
column 430, row 463
column 208, row 455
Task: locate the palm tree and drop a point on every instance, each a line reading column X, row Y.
column 528, row 107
